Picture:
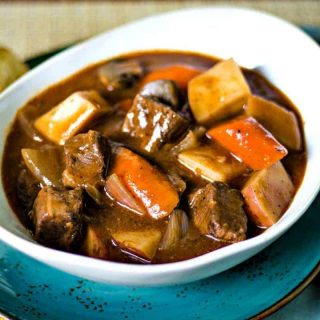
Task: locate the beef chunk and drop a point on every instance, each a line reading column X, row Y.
column 164, row 91
column 27, row 188
column 86, row 159
column 152, row 123
column 217, row 211
column 57, row 217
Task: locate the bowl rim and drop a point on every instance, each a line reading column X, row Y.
column 35, row 250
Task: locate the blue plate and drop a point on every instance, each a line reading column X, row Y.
column 32, row 290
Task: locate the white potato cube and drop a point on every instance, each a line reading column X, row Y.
column 71, row 116
column 218, row 93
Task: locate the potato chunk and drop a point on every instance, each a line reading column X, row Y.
column 212, row 163
column 71, row 116
column 144, row 244
column 280, row 122
column 267, row 194
column 93, row 245
column 218, row 93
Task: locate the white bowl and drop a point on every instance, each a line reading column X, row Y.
column 288, row 57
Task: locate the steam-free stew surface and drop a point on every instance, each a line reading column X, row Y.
column 106, row 218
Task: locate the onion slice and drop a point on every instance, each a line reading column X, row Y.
column 177, row 229
column 117, row 191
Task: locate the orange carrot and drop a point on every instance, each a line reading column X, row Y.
column 249, row 141
column 147, row 184
column 178, row 73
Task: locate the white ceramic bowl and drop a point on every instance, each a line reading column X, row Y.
column 288, row 57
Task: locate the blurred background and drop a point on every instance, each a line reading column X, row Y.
column 33, row 27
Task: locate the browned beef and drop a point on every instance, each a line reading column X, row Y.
column 217, row 211
column 57, row 217
column 164, row 91
column 152, row 123
column 27, row 188
column 86, row 159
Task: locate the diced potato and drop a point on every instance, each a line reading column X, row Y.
column 45, row 164
column 212, row 163
column 280, row 122
column 71, row 116
column 268, row 194
column 93, row 245
column 218, row 93
column 144, row 244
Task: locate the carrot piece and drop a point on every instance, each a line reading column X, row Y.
column 250, row 141
column 178, row 73
column 147, row 184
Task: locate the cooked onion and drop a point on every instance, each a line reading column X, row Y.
column 116, row 190
column 176, row 230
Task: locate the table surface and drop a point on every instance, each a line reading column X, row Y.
column 33, row 27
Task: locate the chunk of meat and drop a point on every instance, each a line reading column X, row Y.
column 120, row 77
column 57, row 217
column 268, row 194
column 152, row 123
column 149, row 186
column 93, row 244
column 27, row 188
column 71, row 116
column 217, row 211
column 86, row 159
column 46, row 164
column 212, row 163
column 143, row 244
column 250, row 141
column 218, row 93
column 282, row 123
column 164, row 91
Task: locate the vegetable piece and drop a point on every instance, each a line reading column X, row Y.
column 178, row 73
column 86, row 157
column 143, row 244
column 152, row 123
column 249, row 141
column 45, row 164
column 212, row 163
column 116, row 190
column 217, row 211
column 93, row 245
column 71, row 116
column 267, row 194
column 190, row 140
column 57, row 217
column 218, row 93
column 164, row 91
column 280, row 122
column 120, row 77
column 147, row 184
column 177, row 229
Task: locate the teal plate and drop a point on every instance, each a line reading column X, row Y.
column 31, row 290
